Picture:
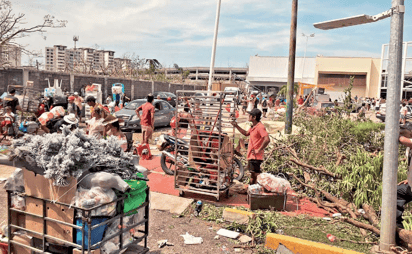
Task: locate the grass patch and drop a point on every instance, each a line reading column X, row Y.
column 302, row 226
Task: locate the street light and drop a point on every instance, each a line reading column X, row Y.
column 212, row 61
column 390, row 160
column 306, row 47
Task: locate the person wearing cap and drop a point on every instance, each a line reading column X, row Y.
column 112, row 128
column 72, row 107
column 146, row 119
column 258, row 141
column 12, row 101
column 91, row 101
column 78, row 101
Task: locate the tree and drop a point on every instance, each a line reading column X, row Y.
column 284, row 89
column 153, row 65
column 13, row 26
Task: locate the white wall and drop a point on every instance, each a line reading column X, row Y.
column 275, row 69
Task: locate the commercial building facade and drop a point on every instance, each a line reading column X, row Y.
column 269, row 74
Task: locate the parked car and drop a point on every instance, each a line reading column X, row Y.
column 166, row 96
column 381, row 113
column 164, row 112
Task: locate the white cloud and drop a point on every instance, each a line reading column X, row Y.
column 173, row 30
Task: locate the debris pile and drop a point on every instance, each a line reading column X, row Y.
column 337, row 163
column 71, row 153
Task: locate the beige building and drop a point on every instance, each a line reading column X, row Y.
column 60, row 58
column 338, row 70
column 55, row 58
column 122, row 63
column 10, row 55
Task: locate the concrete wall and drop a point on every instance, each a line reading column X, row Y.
column 74, row 82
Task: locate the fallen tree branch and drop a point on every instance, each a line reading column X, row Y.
column 358, row 242
column 370, row 215
column 320, row 170
column 362, row 225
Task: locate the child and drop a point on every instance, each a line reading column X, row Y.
column 8, row 120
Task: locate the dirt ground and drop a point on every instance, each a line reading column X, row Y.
column 165, row 226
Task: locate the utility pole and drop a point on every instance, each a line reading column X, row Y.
column 390, row 160
column 212, row 61
column 291, row 68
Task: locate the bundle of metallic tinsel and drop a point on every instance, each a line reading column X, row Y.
column 71, row 153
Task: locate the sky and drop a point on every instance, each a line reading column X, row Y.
column 181, row 31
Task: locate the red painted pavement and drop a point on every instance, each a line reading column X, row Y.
column 162, row 183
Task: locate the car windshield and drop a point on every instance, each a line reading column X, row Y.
column 134, row 104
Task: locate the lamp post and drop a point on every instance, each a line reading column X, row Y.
column 306, row 47
column 212, row 61
column 390, row 160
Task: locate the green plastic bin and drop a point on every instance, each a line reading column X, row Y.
column 136, row 196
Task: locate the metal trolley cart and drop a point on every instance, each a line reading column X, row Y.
column 45, row 240
column 204, row 159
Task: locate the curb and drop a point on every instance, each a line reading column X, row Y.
column 296, row 245
column 239, row 216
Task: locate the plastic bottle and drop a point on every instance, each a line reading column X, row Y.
column 198, row 208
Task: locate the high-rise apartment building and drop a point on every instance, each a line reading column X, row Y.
column 60, row 58
column 56, row 58
column 10, row 55
column 122, row 63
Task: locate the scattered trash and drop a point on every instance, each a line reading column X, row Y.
column 327, row 218
column 163, row 243
column 225, row 250
column 337, row 215
column 238, row 250
column 279, row 231
column 198, row 208
column 361, row 211
column 245, row 239
column 228, row 233
column 331, row 238
column 216, row 237
column 189, row 239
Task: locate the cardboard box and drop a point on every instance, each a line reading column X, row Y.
column 17, row 249
column 40, row 187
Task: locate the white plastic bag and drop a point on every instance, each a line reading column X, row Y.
column 113, row 228
column 86, row 198
column 104, row 180
column 272, row 183
column 15, row 182
column 255, row 189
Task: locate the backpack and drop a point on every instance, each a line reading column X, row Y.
column 264, row 103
